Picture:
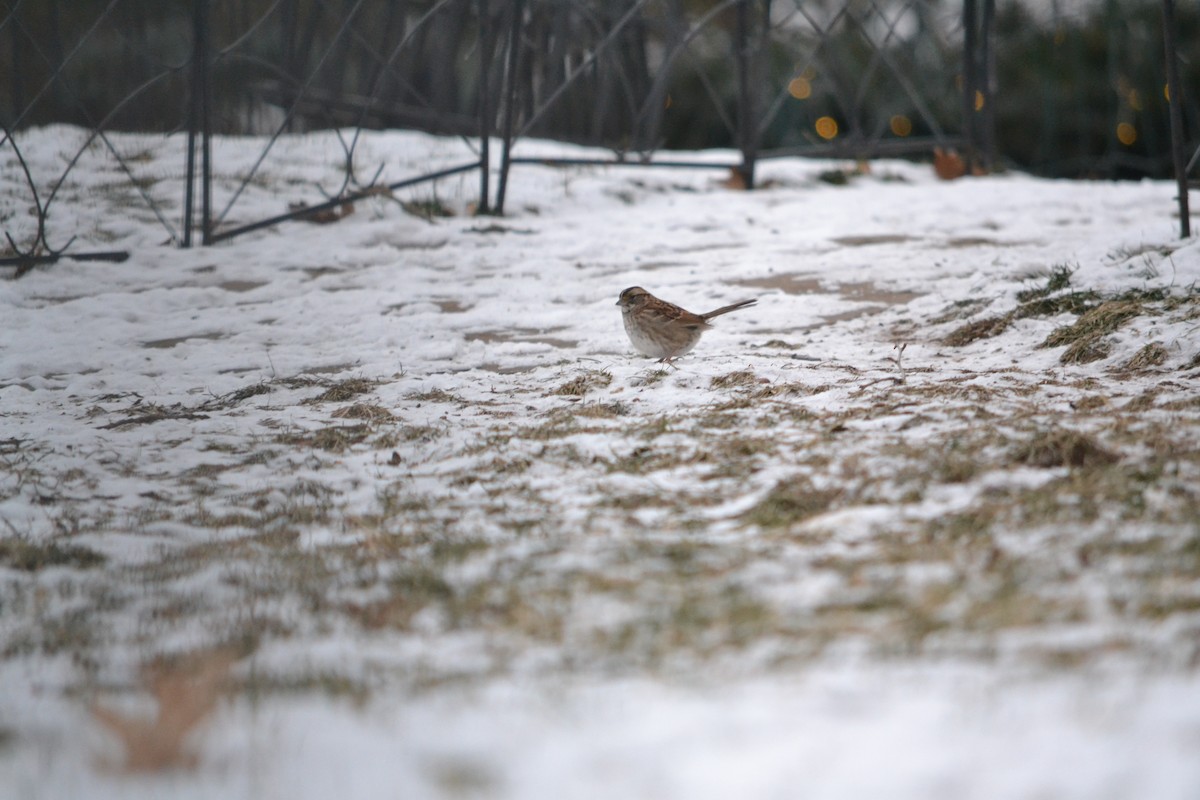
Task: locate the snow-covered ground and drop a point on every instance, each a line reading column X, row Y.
column 388, row 507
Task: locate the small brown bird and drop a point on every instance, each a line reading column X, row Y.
column 663, row 330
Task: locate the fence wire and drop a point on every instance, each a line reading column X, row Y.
column 765, row 78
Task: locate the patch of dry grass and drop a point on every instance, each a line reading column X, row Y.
column 344, row 390
column 1151, row 355
column 601, row 410
column 735, row 380
column 1069, row 303
column 1099, row 321
column 365, row 411
column 1058, row 279
column 583, row 383
column 791, row 502
column 1086, row 349
column 1062, row 448
column 31, row 557
column 436, row 396
column 333, row 439
column 985, row 328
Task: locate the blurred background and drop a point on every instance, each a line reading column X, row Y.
column 1062, row 88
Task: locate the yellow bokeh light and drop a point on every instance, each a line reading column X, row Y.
column 800, row 88
column 1134, row 98
column 1126, row 134
column 1167, row 92
column 978, row 100
column 827, row 127
column 901, row 125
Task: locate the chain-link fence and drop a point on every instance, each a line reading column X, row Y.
column 1063, row 93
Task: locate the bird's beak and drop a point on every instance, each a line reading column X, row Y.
column 618, row 303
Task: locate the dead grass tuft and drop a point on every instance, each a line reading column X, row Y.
column 1062, row 448
column 334, row 439
column 371, row 413
column 428, row 208
column 510, row 466
column 342, row 391
column 1070, row 303
column 601, row 410
column 583, row 383
column 1152, row 355
column 410, row 591
column 30, row 557
column 648, row 458
column 1086, row 350
column 734, row 380
column 1094, row 323
column 649, row 378
column 957, row 467
column 435, row 396
column 786, row 390
column 984, row 328
column 299, row 382
column 233, row 398
column 790, row 502
column 1058, row 279
column 148, row 413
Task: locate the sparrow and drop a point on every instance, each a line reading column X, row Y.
column 663, row 330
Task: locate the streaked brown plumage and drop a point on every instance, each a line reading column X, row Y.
column 663, row 330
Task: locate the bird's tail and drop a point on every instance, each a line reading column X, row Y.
column 727, row 309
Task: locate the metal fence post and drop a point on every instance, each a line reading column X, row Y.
column 510, row 99
column 747, row 92
column 1175, row 90
column 193, row 122
column 205, row 71
column 969, row 83
column 485, row 123
column 987, row 76
column 199, row 123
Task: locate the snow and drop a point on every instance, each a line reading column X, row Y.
column 506, row 591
